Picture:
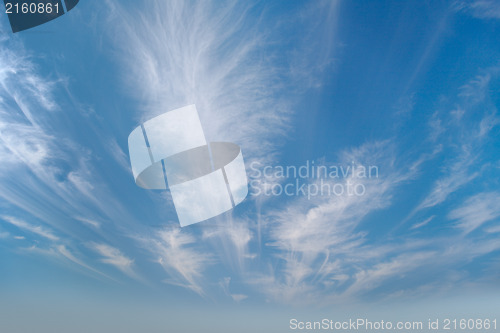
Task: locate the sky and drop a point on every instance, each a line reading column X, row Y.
column 408, row 88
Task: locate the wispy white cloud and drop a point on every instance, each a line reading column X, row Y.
column 89, row 222
column 475, row 89
column 484, row 9
column 62, row 254
column 316, row 52
column 25, row 142
column 486, row 125
column 232, row 237
column 225, row 285
column 370, row 279
column 45, row 172
column 313, row 238
column 208, row 55
column 239, row 297
column 176, row 252
column 493, row 230
column 66, row 253
column 476, row 211
column 36, row 229
column 464, row 139
column 28, row 147
column 217, row 58
column 119, row 155
column 19, row 81
column 324, row 254
column 423, row 223
column 115, row 257
column 456, row 176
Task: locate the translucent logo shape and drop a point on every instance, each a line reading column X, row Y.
column 205, row 179
column 27, row 14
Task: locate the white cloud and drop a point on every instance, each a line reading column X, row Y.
column 489, row 122
column 476, row 211
column 313, row 238
column 323, row 255
column 484, row 9
column 493, row 230
column 25, row 143
column 36, row 229
column 205, row 55
column 464, row 139
column 475, row 90
column 224, row 283
column 66, row 253
column 456, row 176
column 216, row 57
column 370, row 279
column 34, row 161
column 423, row 223
column 89, row 222
column 238, row 297
column 44, row 172
column 20, row 82
column 174, row 250
column 115, row 257
column 119, row 155
column 231, row 237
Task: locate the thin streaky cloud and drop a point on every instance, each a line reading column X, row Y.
column 476, row 211
column 114, row 257
column 239, row 297
column 225, row 285
column 231, row 238
column 247, row 74
column 66, row 253
column 458, row 175
column 311, row 236
column 373, row 277
column 35, row 229
column 423, row 223
column 176, row 251
column 493, row 230
column 119, row 155
column 216, row 57
column 475, row 90
column 465, row 166
column 45, row 172
column 482, row 9
column 89, row 222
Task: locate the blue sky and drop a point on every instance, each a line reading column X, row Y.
column 410, row 87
